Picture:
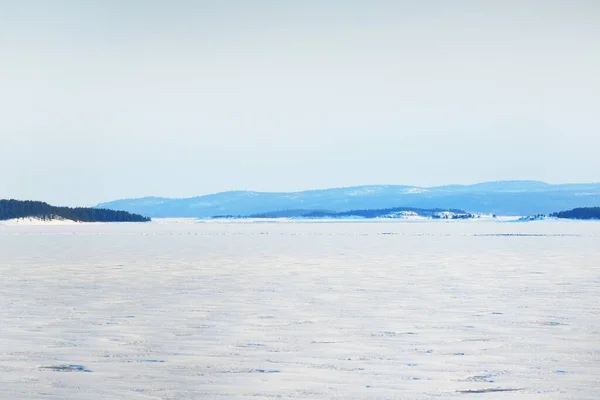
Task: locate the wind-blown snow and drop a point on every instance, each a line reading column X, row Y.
column 38, row 221
column 416, row 190
column 312, row 310
column 364, row 191
column 405, row 215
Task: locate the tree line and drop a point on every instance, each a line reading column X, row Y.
column 11, row 209
column 579, row 213
column 368, row 213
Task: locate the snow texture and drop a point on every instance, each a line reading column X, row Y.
column 179, row 309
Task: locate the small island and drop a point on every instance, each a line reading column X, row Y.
column 18, row 209
column 579, row 213
column 385, row 213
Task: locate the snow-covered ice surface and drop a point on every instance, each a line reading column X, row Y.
column 37, row 221
column 301, row 310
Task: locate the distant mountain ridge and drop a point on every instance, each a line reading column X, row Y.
column 502, row 197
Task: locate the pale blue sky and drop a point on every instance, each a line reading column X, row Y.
column 112, row 99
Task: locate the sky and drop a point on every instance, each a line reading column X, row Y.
column 107, row 99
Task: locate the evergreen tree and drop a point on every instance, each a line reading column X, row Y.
column 10, row 209
column 579, row 213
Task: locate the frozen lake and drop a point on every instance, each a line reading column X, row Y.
column 309, row 310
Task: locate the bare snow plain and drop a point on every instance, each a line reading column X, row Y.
column 300, row 310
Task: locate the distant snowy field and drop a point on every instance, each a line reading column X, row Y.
column 180, row 309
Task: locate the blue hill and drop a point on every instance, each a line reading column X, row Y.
column 503, row 198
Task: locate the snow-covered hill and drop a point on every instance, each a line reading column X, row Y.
column 502, row 198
